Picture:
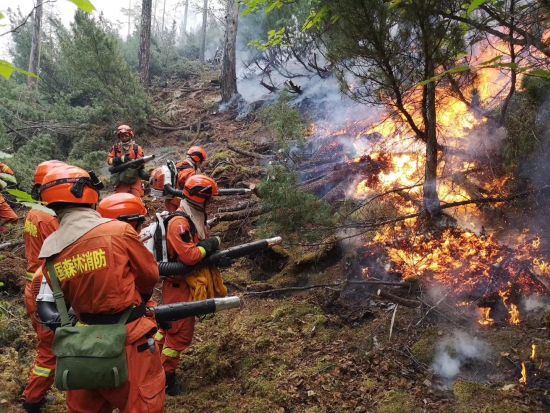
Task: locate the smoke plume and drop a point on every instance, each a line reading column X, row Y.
column 457, row 350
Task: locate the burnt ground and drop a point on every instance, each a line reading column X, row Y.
column 319, row 350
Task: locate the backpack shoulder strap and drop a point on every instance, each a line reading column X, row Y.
column 136, row 150
column 159, row 240
column 58, row 294
column 183, row 215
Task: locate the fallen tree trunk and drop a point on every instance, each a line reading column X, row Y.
column 238, row 207
column 239, row 215
column 250, row 154
column 194, row 128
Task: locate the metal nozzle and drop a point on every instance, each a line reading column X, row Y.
column 227, row 303
column 274, row 241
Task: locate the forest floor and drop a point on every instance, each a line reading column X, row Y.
column 305, row 352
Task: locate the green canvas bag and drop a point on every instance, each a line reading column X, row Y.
column 88, row 356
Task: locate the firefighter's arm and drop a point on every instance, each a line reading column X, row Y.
column 140, row 153
column 111, row 156
column 6, row 169
column 142, row 262
column 179, row 237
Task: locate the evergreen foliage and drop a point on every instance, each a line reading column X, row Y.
column 85, row 89
column 284, row 121
column 291, row 211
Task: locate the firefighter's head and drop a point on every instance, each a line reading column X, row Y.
column 125, row 133
column 199, row 189
column 70, row 186
column 124, row 207
column 197, row 154
column 41, row 170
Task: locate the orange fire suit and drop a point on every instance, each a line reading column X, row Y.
column 106, row 271
column 6, row 213
column 186, row 169
column 38, row 226
column 131, row 152
column 182, row 246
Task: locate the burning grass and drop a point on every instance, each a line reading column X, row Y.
column 472, row 269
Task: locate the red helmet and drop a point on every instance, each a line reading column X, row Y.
column 43, row 168
column 197, row 153
column 198, row 189
column 124, row 207
column 124, row 131
column 70, row 185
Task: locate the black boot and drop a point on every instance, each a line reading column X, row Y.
column 33, row 407
column 172, row 386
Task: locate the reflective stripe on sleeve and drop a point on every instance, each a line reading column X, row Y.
column 41, row 371
column 159, row 336
column 170, row 352
column 29, row 276
column 203, row 252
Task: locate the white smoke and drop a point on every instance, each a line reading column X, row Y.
column 534, row 303
column 454, row 351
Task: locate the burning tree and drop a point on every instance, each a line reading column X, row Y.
column 392, row 52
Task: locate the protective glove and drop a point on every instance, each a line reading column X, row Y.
column 210, row 245
column 117, row 161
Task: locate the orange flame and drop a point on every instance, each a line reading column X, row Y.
column 485, row 319
column 514, row 315
column 523, row 379
column 533, row 352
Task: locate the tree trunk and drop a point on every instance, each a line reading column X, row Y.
column 185, row 14
column 229, row 70
column 203, row 31
column 145, row 42
column 129, row 18
column 34, row 58
column 163, row 13
column 431, row 204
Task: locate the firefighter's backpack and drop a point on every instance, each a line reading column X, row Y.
column 154, row 235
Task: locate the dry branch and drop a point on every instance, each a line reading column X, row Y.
column 10, row 244
column 279, row 291
column 386, row 295
column 525, row 194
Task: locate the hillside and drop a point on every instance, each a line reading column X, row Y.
column 336, row 349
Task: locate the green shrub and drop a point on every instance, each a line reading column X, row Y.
column 284, row 121
column 41, row 148
column 537, row 88
column 292, row 211
column 523, row 134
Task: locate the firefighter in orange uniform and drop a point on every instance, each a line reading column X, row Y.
column 39, row 224
column 187, row 242
column 196, row 155
column 119, row 274
column 129, row 180
column 6, row 213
